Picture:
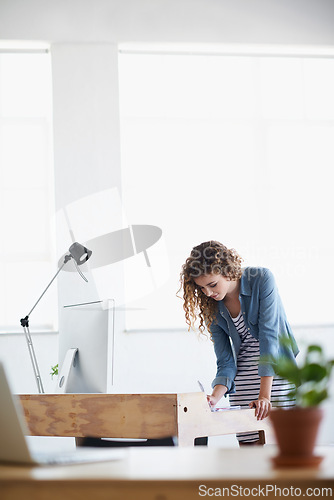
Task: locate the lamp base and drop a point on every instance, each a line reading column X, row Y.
column 32, row 355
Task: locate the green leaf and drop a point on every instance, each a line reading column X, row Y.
column 313, row 397
column 292, row 394
column 54, row 370
column 313, row 372
column 314, row 348
column 330, row 366
column 287, row 369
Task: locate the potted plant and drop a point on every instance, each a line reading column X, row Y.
column 296, row 428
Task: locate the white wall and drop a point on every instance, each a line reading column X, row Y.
column 181, row 21
column 84, row 36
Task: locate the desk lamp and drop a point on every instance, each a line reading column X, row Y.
column 79, row 254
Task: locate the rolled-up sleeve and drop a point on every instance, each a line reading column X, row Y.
column 269, row 310
column 226, row 368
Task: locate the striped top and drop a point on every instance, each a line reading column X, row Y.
column 249, row 353
column 247, row 380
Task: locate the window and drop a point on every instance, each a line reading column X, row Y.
column 235, row 148
column 26, row 189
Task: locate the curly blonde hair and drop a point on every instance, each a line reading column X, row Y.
column 210, row 257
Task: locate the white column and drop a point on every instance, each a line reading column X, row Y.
column 86, row 120
column 87, row 153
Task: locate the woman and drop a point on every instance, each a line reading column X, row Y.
column 245, row 317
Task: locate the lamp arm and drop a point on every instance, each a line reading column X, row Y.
column 25, row 325
column 25, row 321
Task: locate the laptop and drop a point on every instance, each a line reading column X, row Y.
column 16, row 449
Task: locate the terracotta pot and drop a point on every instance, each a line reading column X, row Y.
column 296, row 431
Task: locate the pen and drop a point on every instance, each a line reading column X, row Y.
column 200, row 386
column 202, row 389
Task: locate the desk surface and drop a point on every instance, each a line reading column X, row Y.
column 167, row 473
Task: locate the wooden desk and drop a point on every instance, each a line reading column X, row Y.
column 136, row 416
column 170, row 474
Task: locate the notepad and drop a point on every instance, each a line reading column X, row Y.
column 227, row 408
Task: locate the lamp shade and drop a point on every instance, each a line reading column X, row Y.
column 79, row 253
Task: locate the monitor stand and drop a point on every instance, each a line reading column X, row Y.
column 65, row 371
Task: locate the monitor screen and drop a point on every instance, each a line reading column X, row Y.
column 89, row 328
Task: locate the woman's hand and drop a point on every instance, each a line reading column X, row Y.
column 262, row 404
column 212, row 400
column 262, row 407
column 217, row 393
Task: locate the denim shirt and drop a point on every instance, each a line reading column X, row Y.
column 265, row 320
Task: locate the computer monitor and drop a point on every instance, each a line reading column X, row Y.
column 86, row 347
